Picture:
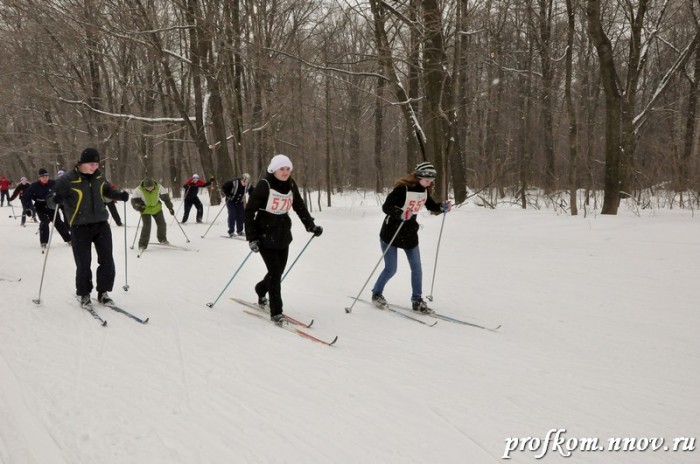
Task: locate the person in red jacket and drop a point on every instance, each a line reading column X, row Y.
column 191, row 199
column 5, row 190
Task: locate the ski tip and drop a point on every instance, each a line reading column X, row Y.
column 310, row 324
column 433, row 324
column 333, row 342
column 104, row 323
column 145, row 321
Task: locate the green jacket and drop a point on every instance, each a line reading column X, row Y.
column 150, row 202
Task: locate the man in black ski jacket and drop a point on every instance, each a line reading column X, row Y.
column 82, row 192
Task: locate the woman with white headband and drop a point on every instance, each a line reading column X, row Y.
column 268, row 228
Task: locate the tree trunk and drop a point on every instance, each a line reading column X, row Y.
column 570, row 108
column 684, row 165
column 613, row 109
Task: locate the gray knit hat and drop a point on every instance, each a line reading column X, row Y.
column 425, row 170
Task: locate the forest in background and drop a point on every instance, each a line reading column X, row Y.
column 505, row 97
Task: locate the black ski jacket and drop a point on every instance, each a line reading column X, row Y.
column 269, row 222
column 393, row 207
column 82, row 196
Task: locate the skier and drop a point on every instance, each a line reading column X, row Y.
column 82, row 192
column 235, row 191
column 191, row 199
column 35, row 198
column 268, row 228
column 401, row 206
column 5, row 190
column 19, row 190
column 147, row 200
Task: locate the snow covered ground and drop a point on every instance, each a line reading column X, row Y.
column 599, row 340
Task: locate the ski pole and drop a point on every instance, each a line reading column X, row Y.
column 126, row 267
column 212, row 222
column 136, row 234
column 46, row 256
column 349, row 310
column 432, row 284
column 211, row 305
column 13, row 209
column 183, row 230
column 297, row 258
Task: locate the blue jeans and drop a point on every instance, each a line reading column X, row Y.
column 390, row 258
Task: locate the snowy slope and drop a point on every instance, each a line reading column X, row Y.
column 599, row 337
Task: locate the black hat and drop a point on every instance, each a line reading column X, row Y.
column 43, row 172
column 89, row 155
column 149, row 183
column 425, row 170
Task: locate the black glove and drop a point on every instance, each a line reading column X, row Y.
column 123, row 196
column 53, row 200
column 316, row 230
column 172, row 211
column 254, row 246
column 141, row 207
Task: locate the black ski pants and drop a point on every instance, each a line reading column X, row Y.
column 194, row 201
column 84, row 236
column 275, row 261
column 46, row 215
column 236, row 217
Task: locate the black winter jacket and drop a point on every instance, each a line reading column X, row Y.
column 266, row 214
column 19, row 191
column 82, row 196
column 234, row 191
column 394, row 206
column 36, row 195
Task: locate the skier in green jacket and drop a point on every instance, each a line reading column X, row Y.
column 147, row 200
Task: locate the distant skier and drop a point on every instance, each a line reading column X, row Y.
column 5, row 190
column 235, row 191
column 19, row 191
column 147, row 201
column 35, row 197
column 268, row 228
column 401, row 206
column 192, row 187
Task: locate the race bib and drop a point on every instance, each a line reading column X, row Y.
column 415, row 201
column 279, row 203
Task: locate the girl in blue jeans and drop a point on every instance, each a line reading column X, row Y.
column 400, row 230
